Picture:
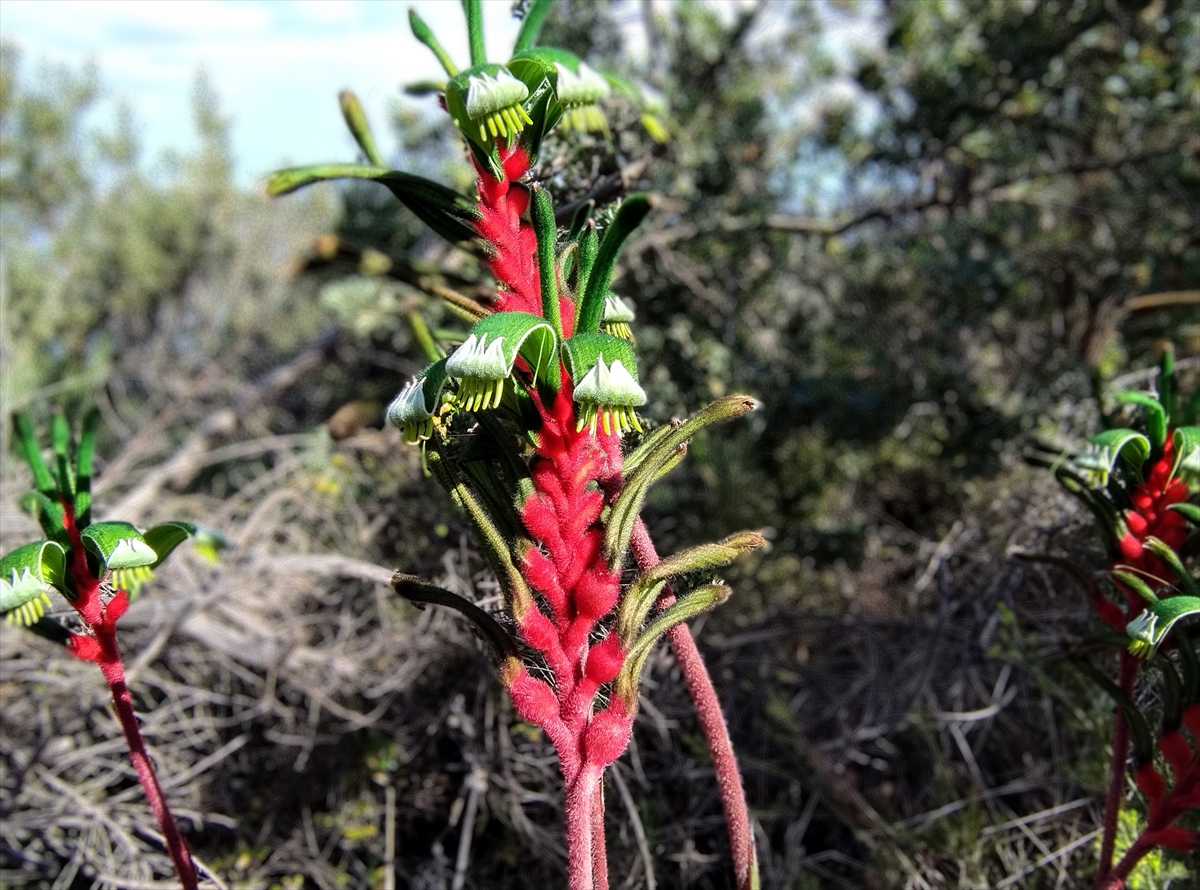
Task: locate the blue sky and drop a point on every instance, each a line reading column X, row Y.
column 276, row 66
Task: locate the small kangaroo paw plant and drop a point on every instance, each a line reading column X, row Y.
column 525, row 423
column 1140, row 484
column 99, row 568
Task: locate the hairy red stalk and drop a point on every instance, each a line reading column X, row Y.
column 101, row 648
column 1126, row 676
column 712, row 721
column 580, row 812
column 599, row 846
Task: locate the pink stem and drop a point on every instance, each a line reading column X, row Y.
column 712, row 721
column 580, row 818
column 1126, row 675
column 114, row 674
column 599, row 845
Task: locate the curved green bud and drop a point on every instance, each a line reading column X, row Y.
column 603, row 370
column 415, row 408
column 1156, row 414
column 31, row 451
column 1186, row 442
column 486, row 102
column 118, row 545
column 1100, row 457
column 1168, row 556
column 1191, row 512
column 617, row 316
column 356, row 121
column 629, row 216
column 531, row 25
column 487, row 357
column 424, row 34
column 640, row 598
column 208, row 543
column 578, row 87
column 25, row 575
column 1150, row 628
column 687, row 606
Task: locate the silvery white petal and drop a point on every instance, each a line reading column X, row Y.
column 478, row 358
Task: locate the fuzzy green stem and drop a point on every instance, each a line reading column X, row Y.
column 474, row 13
column 546, row 231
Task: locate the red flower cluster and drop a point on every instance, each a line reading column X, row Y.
column 1151, row 516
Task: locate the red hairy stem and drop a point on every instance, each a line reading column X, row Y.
column 712, row 721
column 599, row 846
column 101, row 647
column 1126, row 676
column 580, row 807
column 114, row 675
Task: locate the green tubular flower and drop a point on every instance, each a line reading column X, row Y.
column 485, row 102
column 487, row 357
column 132, row 580
column 580, row 90
column 654, row 114
column 481, row 369
column 1144, row 635
column 617, row 316
column 26, row 574
column 414, row 410
column 603, row 370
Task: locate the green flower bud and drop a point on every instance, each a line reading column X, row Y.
column 414, row 409
column 617, row 316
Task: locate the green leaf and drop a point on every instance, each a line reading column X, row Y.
column 445, row 211
column 1172, row 692
column 1191, row 512
column 1186, row 443
column 591, row 307
column 60, row 444
column 84, row 455
column 164, row 538
column 49, row 511
column 356, row 120
column 31, row 451
column 1139, row 728
column 118, row 545
column 25, row 574
column 546, row 230
column 282, row 182
column 687, row 606
column 1168, row 386
column 418, row 591
column 1189, row 667
column 424, row 34
column 1099, row 460
column 589, row 246
column 1156, row 415
column 531, row 25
